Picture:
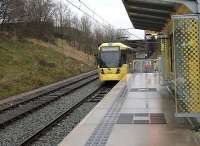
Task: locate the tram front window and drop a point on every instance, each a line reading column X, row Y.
column 110, row 58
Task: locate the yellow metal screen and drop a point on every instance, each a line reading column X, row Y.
column 187, row 65
column 165, row 56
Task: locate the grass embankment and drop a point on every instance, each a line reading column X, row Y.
column 25, row 66
column 64, row 48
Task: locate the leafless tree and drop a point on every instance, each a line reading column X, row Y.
column 50, row 17
column 3, row 12
column 39, row 10
column 75, row 22
column 98, row 35
column 11, row 12
column 85, row 25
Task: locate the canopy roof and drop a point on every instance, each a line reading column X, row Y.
column 150, row 14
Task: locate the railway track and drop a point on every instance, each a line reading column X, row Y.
column 95, row 96
column 17, row 109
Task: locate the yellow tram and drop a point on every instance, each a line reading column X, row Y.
column 114, row 61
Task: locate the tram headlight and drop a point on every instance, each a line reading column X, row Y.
column 118, row 71
column 102, row 72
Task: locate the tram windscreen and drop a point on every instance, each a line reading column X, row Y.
column 110, row 57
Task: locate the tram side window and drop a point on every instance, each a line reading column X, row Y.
column 123, row 59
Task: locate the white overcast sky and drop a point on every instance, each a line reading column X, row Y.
column 111, row 10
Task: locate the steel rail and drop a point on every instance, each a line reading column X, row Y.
column 53, row 88
column 59, row 118
column 36, row 103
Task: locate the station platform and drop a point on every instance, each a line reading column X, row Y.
column 136, row 112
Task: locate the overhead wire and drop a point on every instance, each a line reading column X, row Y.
column 85, row 13
column 135, row 35
column 97, row 15
column 104, row 20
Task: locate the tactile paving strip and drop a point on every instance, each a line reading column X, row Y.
column 125, row 119
column 142, row 118
column 141, row 114
column 102, row 132
column 141, row 122
column 157, row 118
column 143, row 90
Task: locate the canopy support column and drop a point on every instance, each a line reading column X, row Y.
column 198, row 5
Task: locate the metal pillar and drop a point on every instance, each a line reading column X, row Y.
column 165, row 56
column 198, row 6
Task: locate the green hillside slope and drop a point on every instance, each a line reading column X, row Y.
column 25, row 66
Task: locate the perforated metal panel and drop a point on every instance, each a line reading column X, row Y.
column 187, row 64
